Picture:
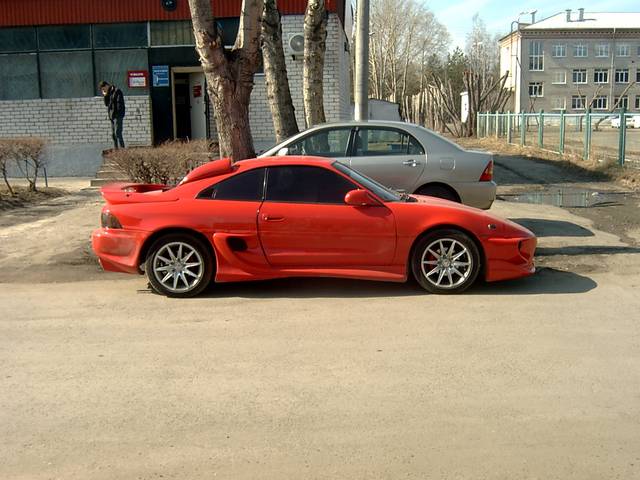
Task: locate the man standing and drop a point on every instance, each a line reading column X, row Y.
column 114, row 101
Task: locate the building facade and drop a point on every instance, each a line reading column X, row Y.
column 572, row 61
column 53, row 53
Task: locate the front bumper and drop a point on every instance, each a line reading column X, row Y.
column 118, row 249
column 509, row 258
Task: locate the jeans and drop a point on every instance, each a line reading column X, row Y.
column 116, row 132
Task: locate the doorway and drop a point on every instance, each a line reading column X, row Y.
column 190, row 110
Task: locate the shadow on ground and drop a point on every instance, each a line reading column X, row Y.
column 553, row 228
column 544, row 281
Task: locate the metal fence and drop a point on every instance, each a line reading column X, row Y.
column 604, row 137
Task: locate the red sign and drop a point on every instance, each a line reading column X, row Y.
column 197, row 91
column 138, row 78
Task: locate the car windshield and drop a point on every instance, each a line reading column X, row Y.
column 381, row 191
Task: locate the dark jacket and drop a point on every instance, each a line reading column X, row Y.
column 114, row 101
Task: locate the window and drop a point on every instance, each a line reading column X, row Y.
column 578, row 102
column 623, row 50
column 172, row 33
column 601, row 75
column 17, row 39
column 622, row 75
column 637, row 102
column 536, row 56
column 621, row 103
column 19, row 76
column 602, row 50
column 112, row 66
column 580, row 50
column 559, row 77
column 579, row 75
column 559, row 103
column 247, row 187
column 559, row 51
column 381, row 191
column 67, row 37
column 600, row 102
column 638, row 75
column 326, row 143
column 535, row 89
column 120, row 35
column 74, row 80
column 304, row 184
column 372, row 142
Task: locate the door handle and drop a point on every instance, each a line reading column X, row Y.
column 410, row 163
column 272, row 218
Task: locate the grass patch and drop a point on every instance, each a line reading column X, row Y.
column 24, row 198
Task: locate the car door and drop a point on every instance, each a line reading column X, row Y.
column 391, row 156
column 330, row 142
column 304, row 222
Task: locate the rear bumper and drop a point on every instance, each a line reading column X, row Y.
column 118, row 250
column 476, row 194
column 509, row 258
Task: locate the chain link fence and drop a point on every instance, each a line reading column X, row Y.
column 603, row 137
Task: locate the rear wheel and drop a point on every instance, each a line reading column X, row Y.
column 179, row 266
column 445, row 261
column 438, row 191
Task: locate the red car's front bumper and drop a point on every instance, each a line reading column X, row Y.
column 118, row 250
column 509, row 257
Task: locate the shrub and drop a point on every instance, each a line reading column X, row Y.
column 166, row 164
column 26, row 154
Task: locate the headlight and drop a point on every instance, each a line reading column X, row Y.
column 108, row 220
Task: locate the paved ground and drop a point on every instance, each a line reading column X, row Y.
column 538, row 378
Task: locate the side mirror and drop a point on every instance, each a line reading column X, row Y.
column 360, row 198
column 283, row 152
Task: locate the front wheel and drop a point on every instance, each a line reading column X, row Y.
column 179, row 266
column 445, row 261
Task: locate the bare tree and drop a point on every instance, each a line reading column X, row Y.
column 275, row 70
column 229, row 74
column 27, row 154
column 315, row 37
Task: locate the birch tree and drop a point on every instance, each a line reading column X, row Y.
column 275, row 71
column 315, row 37
column 230, row 73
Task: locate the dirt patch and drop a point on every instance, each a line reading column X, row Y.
column 23, row 197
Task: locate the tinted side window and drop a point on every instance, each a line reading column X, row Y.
column 306, row 185
column 247, row 186
column 327, row 143
column 372, row 142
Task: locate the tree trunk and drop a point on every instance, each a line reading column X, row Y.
column 229, row 74
column 275, row 71
column 315, row 36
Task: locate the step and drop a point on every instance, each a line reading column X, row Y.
column 99, row 182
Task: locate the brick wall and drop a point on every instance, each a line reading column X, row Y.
column 74, row 120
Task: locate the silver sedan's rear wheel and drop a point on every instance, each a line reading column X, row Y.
column 179, row 266
column 445, row 261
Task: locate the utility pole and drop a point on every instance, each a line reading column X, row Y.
column 361, row 94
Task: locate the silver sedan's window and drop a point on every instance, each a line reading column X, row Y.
column 331, row 143
column 372, row 142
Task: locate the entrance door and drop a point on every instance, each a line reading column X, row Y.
column 197, row 94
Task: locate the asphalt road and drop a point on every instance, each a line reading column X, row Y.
column 537, row 378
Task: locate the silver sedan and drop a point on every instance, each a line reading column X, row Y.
column 402, row 156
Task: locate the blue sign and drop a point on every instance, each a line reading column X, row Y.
column 160, row 75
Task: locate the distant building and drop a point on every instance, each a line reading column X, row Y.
column 54, row 52
column 569, row 59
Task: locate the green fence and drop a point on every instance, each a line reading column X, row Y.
column 605, row 137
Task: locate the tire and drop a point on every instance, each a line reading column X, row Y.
column 454, row 272
column 438, row 191
column 179, row 266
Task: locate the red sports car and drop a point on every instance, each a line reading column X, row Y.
column 300, row 217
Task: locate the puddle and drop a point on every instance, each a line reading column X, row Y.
column 569, row 198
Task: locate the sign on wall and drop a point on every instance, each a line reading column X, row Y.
column 138, row 78
column 160, row 75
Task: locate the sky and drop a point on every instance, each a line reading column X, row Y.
column 456, row 15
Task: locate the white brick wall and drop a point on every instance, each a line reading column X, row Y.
column 74, row 120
